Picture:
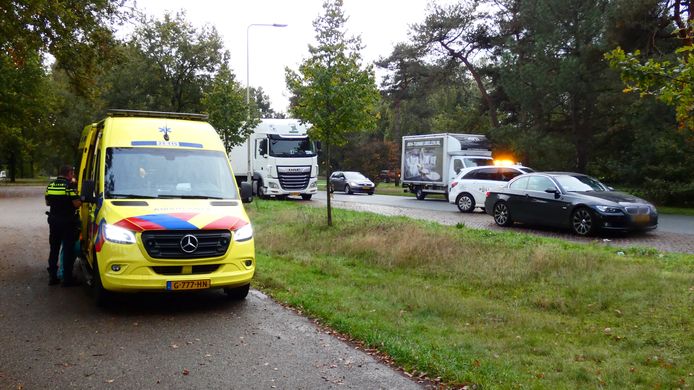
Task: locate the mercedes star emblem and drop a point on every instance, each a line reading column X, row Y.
column 189, row 243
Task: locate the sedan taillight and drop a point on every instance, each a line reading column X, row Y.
column 453, row 184
column 486, row 194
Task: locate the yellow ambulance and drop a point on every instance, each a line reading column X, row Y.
column 161, row 210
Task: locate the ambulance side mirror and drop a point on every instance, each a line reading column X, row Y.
column 246, row 192
column 87, row 194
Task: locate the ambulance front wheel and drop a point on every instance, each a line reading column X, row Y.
column 237, row 293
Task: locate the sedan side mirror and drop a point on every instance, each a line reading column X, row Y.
column 87, row 193
column 552, row 190
column 246, row 192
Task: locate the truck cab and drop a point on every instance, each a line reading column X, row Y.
column 283, row 160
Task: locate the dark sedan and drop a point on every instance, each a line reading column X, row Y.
column 351, row 182
column 573, row 200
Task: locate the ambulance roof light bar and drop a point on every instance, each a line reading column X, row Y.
column 156, row 114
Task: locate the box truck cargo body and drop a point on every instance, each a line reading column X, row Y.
column 429, row 162
column 283, row 160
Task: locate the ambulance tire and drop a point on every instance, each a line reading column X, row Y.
column 237, row 293
column 101, row 296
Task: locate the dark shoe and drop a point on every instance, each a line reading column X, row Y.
column 53, row 281
column 71, row 283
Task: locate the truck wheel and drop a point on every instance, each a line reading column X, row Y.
column 306, row 196
column 419, row 193
column 465, row 202
column 261, row 191
column 237, row 293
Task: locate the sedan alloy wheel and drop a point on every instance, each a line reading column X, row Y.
column 582, row 222
column 502, row 217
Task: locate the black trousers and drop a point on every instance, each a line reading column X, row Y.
column 63, row 231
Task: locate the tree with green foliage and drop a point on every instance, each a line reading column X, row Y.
column 262, row 102
column 185, row 58
column 25, row 101
column 331, row 90
column 460, row 32
column 78, row 34
column 225, row 102
column 670, row 80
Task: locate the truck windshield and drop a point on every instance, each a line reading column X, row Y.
column 291, row 147
column 477, row 162
column 167, row 173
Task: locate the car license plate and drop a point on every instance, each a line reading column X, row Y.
column 187, row 284
column 295, row 194
column 642, row 218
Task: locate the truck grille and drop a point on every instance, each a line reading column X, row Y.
column 294, row 178
column 181, row 244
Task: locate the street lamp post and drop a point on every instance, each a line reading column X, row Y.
column 249, row 177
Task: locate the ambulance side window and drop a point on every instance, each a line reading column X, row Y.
column 97, row 171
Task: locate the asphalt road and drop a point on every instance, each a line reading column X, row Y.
column 55, row 337
column 674, row 233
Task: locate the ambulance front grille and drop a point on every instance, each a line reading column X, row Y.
column 186, row 244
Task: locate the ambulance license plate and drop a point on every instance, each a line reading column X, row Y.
column 187, row 284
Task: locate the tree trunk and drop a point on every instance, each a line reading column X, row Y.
column 328, row 173
column 491, row 105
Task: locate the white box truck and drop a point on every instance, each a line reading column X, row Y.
column 429, row 162
column 283, row 160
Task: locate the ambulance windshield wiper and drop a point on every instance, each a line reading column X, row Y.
column 173, row 196
column 130, row 196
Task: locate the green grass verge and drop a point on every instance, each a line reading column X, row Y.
column 41, row 181
column 499, row 309
column 676, row 210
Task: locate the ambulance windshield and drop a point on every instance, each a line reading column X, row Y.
column 167, row 173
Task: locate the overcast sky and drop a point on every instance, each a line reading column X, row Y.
column 380, row 23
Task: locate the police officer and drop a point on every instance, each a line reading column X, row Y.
column 63, row 222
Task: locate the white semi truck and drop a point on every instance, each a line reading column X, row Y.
column 429, row 162
column 283, row 160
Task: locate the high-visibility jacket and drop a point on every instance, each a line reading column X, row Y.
column 59, row 196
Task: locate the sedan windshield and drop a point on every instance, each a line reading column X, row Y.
column 355, row 176
column 167, row 173
column 579, row 183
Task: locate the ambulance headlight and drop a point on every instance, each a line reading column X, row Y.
column 118, row 234
column 244, row 233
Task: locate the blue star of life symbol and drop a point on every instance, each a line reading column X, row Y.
column 166, row 130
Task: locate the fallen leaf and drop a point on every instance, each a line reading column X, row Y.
column 185, row 371
column 110, row 380
column 174, row 346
